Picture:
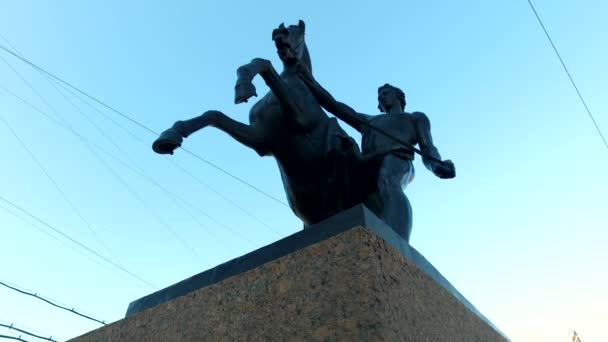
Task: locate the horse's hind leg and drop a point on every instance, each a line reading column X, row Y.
column 247, row 135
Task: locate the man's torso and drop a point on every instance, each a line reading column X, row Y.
column 401, row 126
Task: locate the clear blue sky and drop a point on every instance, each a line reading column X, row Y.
column 521, row 231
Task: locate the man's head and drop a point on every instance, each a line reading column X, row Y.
column 389, row 97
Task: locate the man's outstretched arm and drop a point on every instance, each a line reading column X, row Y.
column 327, row 101
column 425, row 141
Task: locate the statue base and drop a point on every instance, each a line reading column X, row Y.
column 350, row 277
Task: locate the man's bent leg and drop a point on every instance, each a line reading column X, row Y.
column 396, row 211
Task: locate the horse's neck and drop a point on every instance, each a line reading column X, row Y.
column 306, row 58
column 292, row 69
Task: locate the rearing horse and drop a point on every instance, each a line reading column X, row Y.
column 319, row 163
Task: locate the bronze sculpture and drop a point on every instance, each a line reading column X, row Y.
column 322, row 168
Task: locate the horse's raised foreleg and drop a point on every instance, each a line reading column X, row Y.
column 244, row 89
column 247, row 135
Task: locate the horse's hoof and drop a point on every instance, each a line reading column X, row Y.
column 168, row 141
column 243, row 91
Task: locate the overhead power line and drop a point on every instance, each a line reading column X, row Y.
column 55, row 85
column 55, row 184
column 140, row 124
column 178, row 200
column 48, row 301
column 7, row 337
column 234, row 177
column 143, row 174
column 52, row 180
column 58, row 231
column 599, row 131
column 12, row 327
column 65, row 197
column 70, row 246
column 169, row 160
column 116, row 175
column 65, row 123
column 236, row 205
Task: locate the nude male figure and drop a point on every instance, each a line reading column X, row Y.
column 396, row 169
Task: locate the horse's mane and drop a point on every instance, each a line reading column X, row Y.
column 306, row 57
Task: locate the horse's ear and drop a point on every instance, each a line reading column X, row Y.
column 301, row 25
column 282, row 26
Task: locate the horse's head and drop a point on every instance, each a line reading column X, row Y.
column 290, row 43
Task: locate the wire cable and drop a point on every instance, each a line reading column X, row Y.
column 58, row 231
column 12, row 327
column 13, row 338
column 236, row 205
column 234, row 177
column 32, row 330
column 52, row 82
column 178, row 166
column 116, row 175
column 139, row 173
column 140, row 125
column 580, row 96
column 71, row 247
column 39, row 164
column 35, row 295
column 55, row 184
column 143, row 174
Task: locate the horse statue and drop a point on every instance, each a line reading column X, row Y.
column 321, row 166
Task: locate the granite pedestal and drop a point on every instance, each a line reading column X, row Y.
column 349, row 278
